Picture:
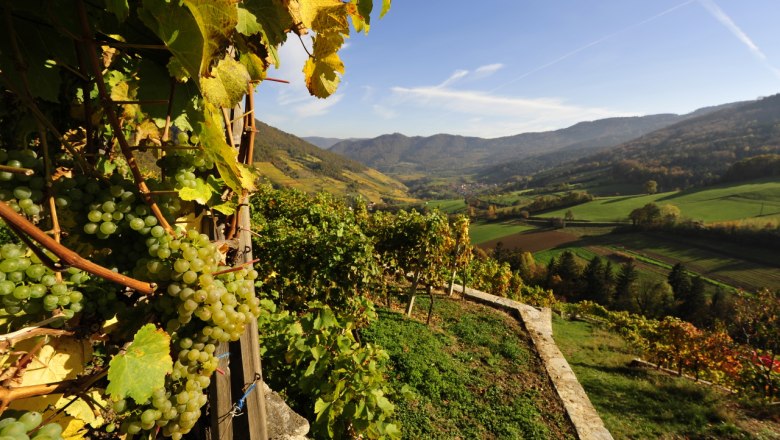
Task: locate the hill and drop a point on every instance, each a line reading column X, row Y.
column 445, row 154
column 322, row 142
column 284, row 159
column 692, row 152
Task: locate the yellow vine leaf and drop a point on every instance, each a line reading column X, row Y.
column 82, row 410
column 236, row 175
column 227, row 85
column 62, row 359
column 328, row 20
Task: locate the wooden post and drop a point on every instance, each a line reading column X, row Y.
column 243, row 368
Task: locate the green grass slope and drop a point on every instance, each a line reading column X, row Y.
column 473, row 374
column 643, row 404
column 709, row 204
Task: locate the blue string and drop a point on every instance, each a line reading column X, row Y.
column 242, row 400
column 223, row 355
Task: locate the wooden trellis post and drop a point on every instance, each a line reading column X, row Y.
column 240, row 361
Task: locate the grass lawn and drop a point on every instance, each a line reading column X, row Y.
column 643, row 404
column 485, row 231
column 473, row 374
column 710, row 204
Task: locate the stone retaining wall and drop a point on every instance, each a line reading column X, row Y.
column 538, row 323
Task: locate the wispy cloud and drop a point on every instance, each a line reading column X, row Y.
column 494, row 115
column 456, row 76
column 488, row 69
column 317, row 107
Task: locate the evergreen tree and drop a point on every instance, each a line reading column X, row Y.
column 594, row 279
column 606, row 296
column 552, row 272
column 570, row 272
column 680, row 282
column 694, row 307
column 624, row 287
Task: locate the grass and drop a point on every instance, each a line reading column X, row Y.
column 450, row 206
column 711, row 204
column 643, row 404
column 485, row 231
column 473, row 374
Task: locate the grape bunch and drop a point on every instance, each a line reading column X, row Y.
column 27, row 285
column 205, row 304
column 183, row 166
column 23, row 193
column 28, row 427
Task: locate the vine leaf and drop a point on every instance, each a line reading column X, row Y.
column 201, row 193
column 328, row 19
column 237, row 176
column 120, row 8
column 195, row 31
column 142, row 368
column 62, row 359
column 227, row 85
column 81, row 410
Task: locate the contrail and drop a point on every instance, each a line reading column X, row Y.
column 593, row 43
column 724, row 19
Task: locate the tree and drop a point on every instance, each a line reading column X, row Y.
column 570, row 272
column 680, row 281
column 646, row 216
column 670, row 214
column 625, row 288
column 651, row 187
column 654, row 299
column 694, row 305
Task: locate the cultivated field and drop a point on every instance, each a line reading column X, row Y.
column 739, row 266
column 482, row 232
column 711, row 204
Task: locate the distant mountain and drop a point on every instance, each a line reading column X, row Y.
column 536, row 163
column 287, row 160
column 695, row 151
column 322, row 142
column 450, row 154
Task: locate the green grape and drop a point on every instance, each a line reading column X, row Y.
column 108, row 228
column 137, row 224
column 31, row 420
column 91, row 228
column 94, row 216
column 14, row 429
column 52, row 430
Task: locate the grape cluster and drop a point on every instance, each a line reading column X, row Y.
column 183, row 165
column 23, row 193
column 29, row 286
column 205, row 307
column 28, row 427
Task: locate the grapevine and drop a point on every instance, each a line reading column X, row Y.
column 122, row 176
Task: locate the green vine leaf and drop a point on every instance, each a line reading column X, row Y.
column 237, row 176
column 142, row 367
column 120, row 8
column 227, row 85
column 195, row 31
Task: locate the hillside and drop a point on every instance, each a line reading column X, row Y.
column 287, row 160
column 693, row 152
column 322, row 142
column 445, row 154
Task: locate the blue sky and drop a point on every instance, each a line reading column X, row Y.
column 495, row 68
